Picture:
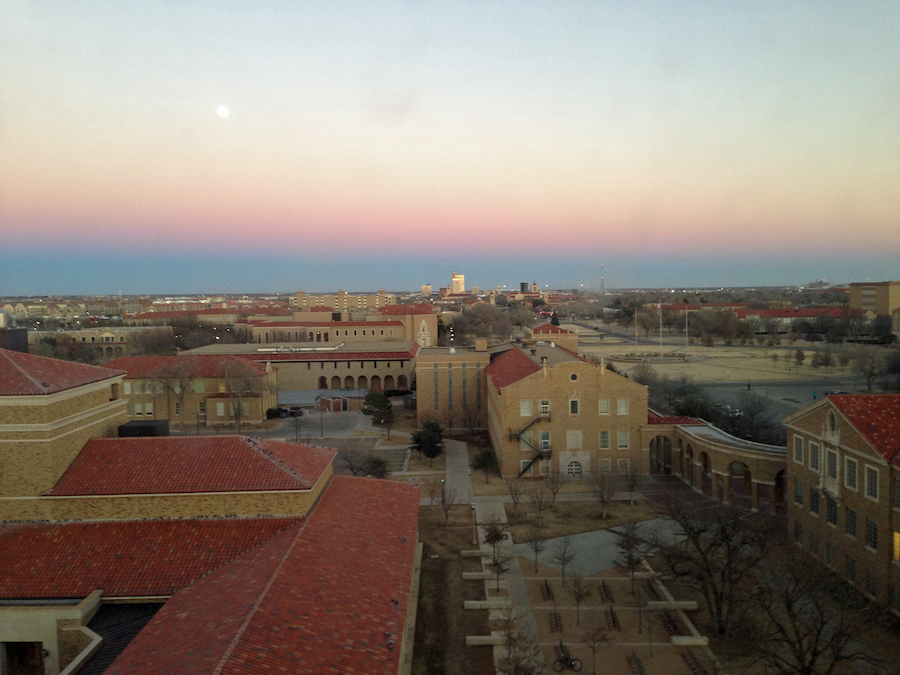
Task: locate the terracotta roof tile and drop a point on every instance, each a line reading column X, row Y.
column 314, row 599
column 197, row 365
column 511, row 366
column 548, row 328
column 325, row 324
column 653, row 418
column 123, row 558
column 877, row 418
column 28, row 375
column 180, row 464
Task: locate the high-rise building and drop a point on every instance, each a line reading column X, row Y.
column 458, row 284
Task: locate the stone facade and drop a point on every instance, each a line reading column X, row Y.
column 451, row 386
column 844, row 500
column 41, row 435
column 343, row 301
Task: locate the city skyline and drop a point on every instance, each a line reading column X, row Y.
column 363, row 147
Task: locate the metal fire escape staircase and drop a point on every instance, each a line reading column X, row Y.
column 540, row 451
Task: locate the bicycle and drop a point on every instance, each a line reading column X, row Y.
column 565, row 661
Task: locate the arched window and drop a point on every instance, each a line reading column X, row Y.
column 574, row 470
column 323, row 382
column 335, row 382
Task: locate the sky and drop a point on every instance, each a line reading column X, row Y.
column 222, row 146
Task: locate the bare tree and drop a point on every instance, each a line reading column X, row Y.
column 563, row 554
column 242, row 379
column 806, row 621
column 514, row 486
column 536, row 541
column 595, row 637
column 553, row 482
column 602, row 486
column 630, row 478
column 177, row 377
column 580, row 591
column 712, row 552
column 868, row 361
column 431, row 486
column 537, row 499
column 449, row 501
column 523, row 655
column 472, row 418
column 630, row 550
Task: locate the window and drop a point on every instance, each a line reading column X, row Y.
column 574, row 469
column 798, row 449
column 871, row 584
column 798, row 491
column 813, row 500
column 127, row 387
column 814, row 457
column 525, row 463
column 604, row 440
column 545, row 467
column 830, row 554
column 525, row 408
column 245, row 407
column 199, row 386
column 545, row 440
column 220, row 409
column 573, row 406
column 623, row 466
column 871, row 533
column 545, row 408
column 850, row 466
column 798, row 533
column 148, row 408
column 138, row 409
column 573, row 377
column 814, row 543
column 177, row 408
column 623, row 439
column 622, row 408
column 138, row 387
column 850, row 527
column 202, row 408
column 128, row 410
column 177, row 387
column 221, row 387
column 851, row 569
column 604, row 406
column 831, row 510
column 871, row 482
column 831, row 464
column 897, row 546
column 896, row 482
column 603, row 465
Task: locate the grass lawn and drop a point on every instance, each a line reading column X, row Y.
column 575, row 517
column 441, row 623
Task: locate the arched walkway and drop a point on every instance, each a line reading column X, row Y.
column 348, row 382
column 336, row 382
column 661, row 455
column 402, row 382
column 706, row 485
column 388, row 382
column 362, row 382
column 741, row 485
column 376, row 383
column 323, row 382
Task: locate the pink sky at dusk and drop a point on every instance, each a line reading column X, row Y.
column 651, row 129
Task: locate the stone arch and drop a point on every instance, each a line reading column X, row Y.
column 778, row 498
column 348, row 382
column 388, row 382
column 318, row 336
column 326, row 336
column 336, row 382
column 706, row 483
column 689, row 464
column 323, row 382
column 362, row 382
column 661, row 455
column 741, row 485
column 375, row 385
column 402, row 383
column 574, row 470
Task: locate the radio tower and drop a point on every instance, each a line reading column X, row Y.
column 602, row 281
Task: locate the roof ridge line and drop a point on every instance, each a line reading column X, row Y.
column 265, row 591
column 42, row 386
column 269, row 455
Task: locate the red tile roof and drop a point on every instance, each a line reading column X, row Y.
column 28, row 375
column 125, row 557
column 405, row 354
column 877, row 418
column 197, row 365
column 325, row 324
column 653, row 418
column 183, row 464
column 318, row 601
column 408, row 310
column 548, row 328
column 511, row 366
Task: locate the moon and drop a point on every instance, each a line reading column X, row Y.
column 223, row 111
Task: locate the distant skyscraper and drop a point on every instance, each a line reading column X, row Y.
column 458, row 284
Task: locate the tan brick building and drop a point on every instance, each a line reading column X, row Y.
column 343, row 301
column 877, row 298
column 112, row 342
column 843, row 473
column 48, row 411
column 550, row 410
column 205, row 390
column 450, row 384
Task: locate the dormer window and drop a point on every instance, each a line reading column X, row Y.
column 832, row 422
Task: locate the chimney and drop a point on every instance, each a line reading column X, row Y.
column 480, row 344
column 544, row 367
column 533, row 351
